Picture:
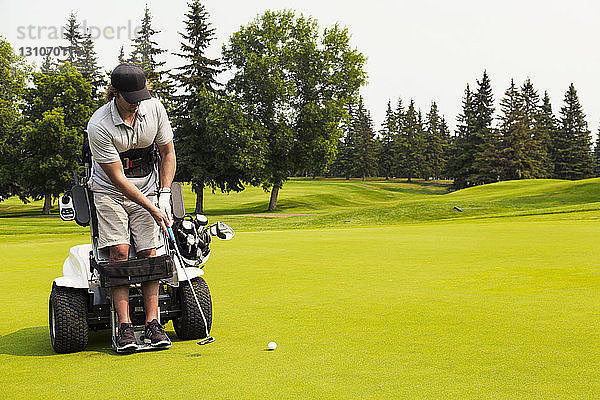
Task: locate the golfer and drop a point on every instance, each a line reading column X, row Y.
column 129, row 200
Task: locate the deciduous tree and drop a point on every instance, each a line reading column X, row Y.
column 58, row 108
column 14, row 72
column 294, row 83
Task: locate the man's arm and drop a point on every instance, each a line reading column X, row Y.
column 168, row 164
column 167, row 172
column 115, row 173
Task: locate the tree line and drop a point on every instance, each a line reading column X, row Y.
column 291, row 107
column 525, row 140
column 409, row 144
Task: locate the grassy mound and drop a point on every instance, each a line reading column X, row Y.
column 309, row 204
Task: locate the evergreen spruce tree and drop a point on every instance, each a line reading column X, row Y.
column 475, row 155
column 217, row 144
column 342, row 166
column 121, row 57
column 200, row 71
column 518, row 146
column 544, row 131
column 400, row 114
column 193, row 143
column 385, row 159
column 531, row 114
column 83, row 57
column 87, row 65
column 72, row 33
column 145, row 54
column 424, row 170
column 413, row 143
column 464, row 147
column 447, row 142
column 437, row 139
column 485, row 139
column 365, row 161
column 572, row 143
column 597, row 156
column 345, row 164
column 398, row 144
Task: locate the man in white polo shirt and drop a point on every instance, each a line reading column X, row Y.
column 124, row 180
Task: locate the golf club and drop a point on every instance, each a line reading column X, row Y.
column 208, row 339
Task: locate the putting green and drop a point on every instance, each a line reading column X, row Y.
column 498, row 308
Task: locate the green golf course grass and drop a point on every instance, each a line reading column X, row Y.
column 387, row 292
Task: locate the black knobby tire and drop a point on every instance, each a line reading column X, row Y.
column 190, row 324
column 68, row 319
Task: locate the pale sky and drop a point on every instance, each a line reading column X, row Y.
column 427, row 50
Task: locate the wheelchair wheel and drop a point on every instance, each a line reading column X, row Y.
column 68, row 319
column 190, row 324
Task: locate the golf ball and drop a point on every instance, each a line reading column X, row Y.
column 272, row 345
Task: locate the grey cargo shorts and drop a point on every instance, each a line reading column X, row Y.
column 119, row 219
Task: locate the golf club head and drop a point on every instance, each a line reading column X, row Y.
column 206, row 340
column 201, row 220
column 224, row 231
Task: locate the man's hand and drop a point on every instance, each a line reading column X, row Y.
column 164, row 203
column 161, row 218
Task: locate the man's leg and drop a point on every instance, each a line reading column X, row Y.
column 154, row 331
column 145, row 233
column 150, row 290
column 120, row 294
column 113, row 233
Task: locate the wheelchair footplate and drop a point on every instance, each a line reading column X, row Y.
column 142, row 343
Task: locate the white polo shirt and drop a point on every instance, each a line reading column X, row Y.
column 109, row 135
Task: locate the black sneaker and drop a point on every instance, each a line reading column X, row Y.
column 126, row 339
column 156, row 334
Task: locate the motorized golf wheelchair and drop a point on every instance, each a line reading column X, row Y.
column 80, row 300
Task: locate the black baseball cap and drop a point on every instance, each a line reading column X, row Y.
column 130, row 81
